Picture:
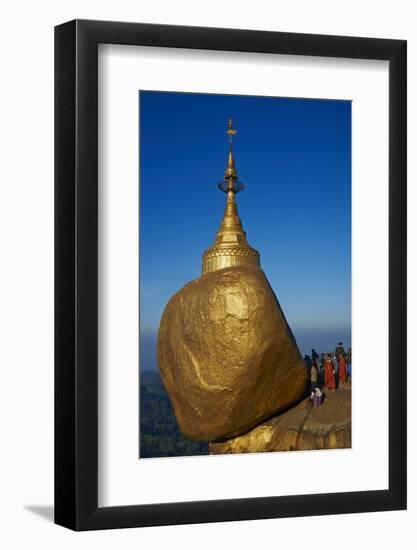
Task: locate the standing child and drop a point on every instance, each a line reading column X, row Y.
column 316, row 397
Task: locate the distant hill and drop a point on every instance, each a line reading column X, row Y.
column 159, row 432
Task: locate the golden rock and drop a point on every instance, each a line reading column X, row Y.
column 301, row 428
column 226, row 354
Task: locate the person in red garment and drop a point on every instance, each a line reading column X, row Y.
column 329, row 379
column 342, row 369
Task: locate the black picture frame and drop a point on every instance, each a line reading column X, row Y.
column 76, row 272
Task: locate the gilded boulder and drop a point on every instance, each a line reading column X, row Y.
column 226, row 354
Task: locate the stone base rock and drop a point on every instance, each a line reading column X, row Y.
column 300, row 428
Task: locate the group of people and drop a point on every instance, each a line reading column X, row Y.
column 328, row 371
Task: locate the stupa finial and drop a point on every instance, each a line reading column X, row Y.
column 231, row 181
column 230, row 173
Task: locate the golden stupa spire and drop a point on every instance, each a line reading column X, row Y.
column 230, row 247
column 230, row 174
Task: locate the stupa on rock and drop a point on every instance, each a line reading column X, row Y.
column 226, row 354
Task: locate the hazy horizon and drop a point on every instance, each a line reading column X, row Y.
column 307, row 339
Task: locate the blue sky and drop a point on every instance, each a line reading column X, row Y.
column 294, row 156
